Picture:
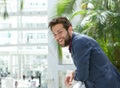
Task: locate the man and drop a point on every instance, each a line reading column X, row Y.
column 92, row 65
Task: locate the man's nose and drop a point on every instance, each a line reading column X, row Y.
column 57, row 36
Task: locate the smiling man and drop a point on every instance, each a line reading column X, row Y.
column 92, row 65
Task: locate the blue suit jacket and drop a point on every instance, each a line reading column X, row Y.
column 92, row 65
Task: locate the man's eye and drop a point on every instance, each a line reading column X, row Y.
column 59, row 32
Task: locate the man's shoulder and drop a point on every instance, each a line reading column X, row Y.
column 78, row 36
column 82, row 38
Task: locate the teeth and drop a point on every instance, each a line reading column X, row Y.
column 60, row 40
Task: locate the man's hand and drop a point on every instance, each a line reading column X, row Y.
column 69, row 78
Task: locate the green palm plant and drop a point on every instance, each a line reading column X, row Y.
column 99, row 19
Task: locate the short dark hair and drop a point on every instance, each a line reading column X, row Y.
column 60, row 20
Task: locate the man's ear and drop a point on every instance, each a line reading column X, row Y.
column 70, row 29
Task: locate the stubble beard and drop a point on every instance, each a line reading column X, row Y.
column 67, row 41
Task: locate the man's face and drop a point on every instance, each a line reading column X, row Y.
column 61, row 35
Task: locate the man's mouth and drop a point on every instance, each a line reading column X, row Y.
column 60, row 41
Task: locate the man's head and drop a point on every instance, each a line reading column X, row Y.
column 60, row 20
column 62, row 30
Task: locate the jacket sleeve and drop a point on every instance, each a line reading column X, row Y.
column 81, row 58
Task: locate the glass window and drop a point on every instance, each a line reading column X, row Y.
column 9, row 6
column 34, row 21
column 34, row 5
column 34, row 37
column 23, row 40
column 8, row 37
column 10, row 22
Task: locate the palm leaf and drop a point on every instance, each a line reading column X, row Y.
column 60, row 54
column 81, row 12
column 65, row 6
